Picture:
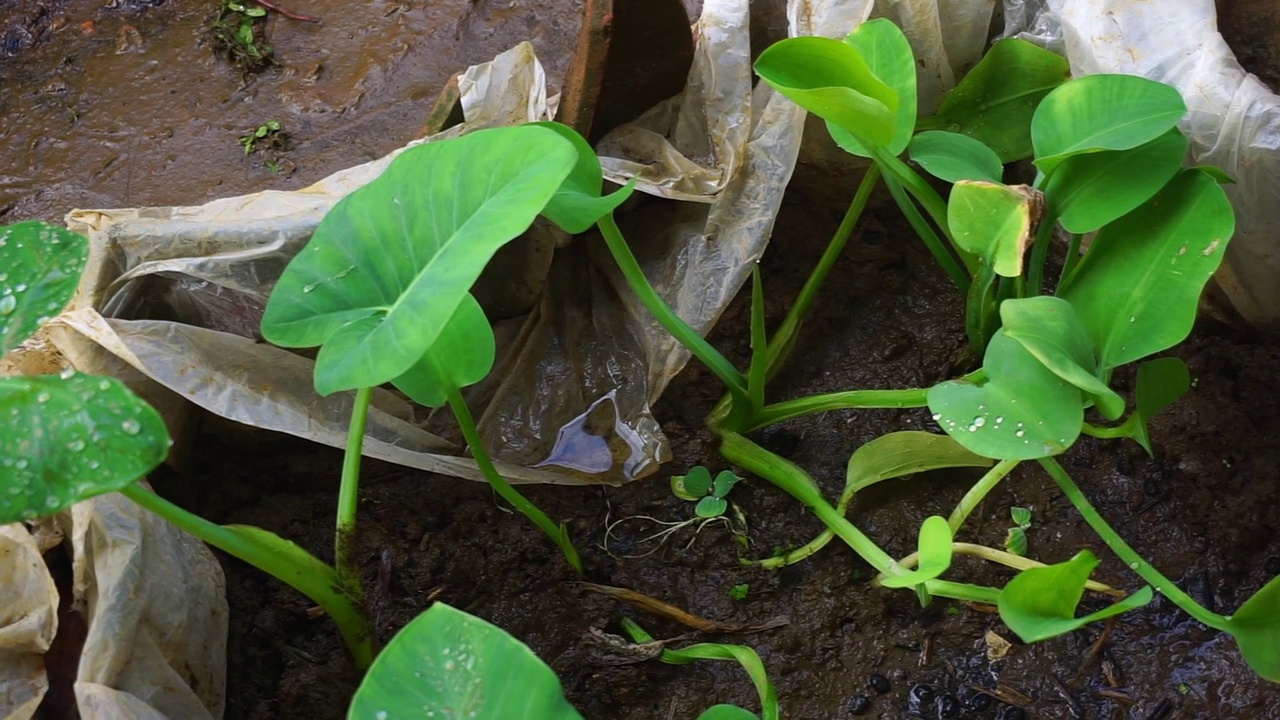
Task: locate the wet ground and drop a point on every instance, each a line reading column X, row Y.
column 134, row 108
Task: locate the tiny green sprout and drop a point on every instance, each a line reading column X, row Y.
column 1021, row 517
column 271, row 131
column 1184, row 689
column 952, row 610
column 739, row 591
column 1016, row 540
column 698, row 485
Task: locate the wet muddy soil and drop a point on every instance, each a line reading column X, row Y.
column 1203, row 511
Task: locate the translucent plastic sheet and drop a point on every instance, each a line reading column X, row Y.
column 1234, row 119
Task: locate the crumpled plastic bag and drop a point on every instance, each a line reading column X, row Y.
column 1233, row 123
column 153, row 599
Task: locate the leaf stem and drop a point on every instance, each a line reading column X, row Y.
column 940, row 252
column 1122, row 430
column 985, row 485
column 1017, row 562
column 1039, row 253
column 1072, row 260
column 679, row 329
column 845, row 400
column 1127, row 553
column 349, row 492
column 558, row 533
column 784, row 339
column 281, row 559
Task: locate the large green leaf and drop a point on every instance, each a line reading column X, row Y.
column 40, row 267
column 1160, row 383
column 1102, row 112
column 1022, row 411
column 954, row 157
column 1256, row 628
column 448, row 664
column 463, row 354
column 995, row 101
column 1040, row 603
column 390, row 264
column 577, row 204
column 1088, row 191
column 888, row 54
column 902, row 453
column 994, row 222
column 1049, row 329
column 934, row 546
column 70, row 437
column 1137, row 289
column 833, row 81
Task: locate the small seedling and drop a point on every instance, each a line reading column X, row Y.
column 739, row 591
column 1016, row 540
column 270, row 135
column 710, row 494
column 238, row 32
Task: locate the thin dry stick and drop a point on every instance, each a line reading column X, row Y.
column 287, row 12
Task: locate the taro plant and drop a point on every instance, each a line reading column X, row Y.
column 1109, row 164
column 447, row 663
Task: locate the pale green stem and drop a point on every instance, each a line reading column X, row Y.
column 344, row 538
column 558, row 533
column 979, row 491
column 1017, row 562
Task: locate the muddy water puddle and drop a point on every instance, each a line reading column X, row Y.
column 126, row 104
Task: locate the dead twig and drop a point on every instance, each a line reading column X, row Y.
column 288, row 13
column 671, row 612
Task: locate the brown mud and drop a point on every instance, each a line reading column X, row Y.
column 122, row 104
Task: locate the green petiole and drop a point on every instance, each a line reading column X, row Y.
column 979, row 491
column 558, row 533
column 348, row 494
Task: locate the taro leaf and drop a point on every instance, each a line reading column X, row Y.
column 995, row 101
column 1160, row 383
column 889, row 56
column 71, row 437
column 724, row 482
column 833, row 81
column 1102, row 112
column 1091, row 190
column 390, row 263
column 697, row 482
column 462, row 354
column 934, row 553
column 1256, row 628
column 40, row 267
column 1048, row 328
column 905, row 453
column 577, row 204
column 1216, row 173
column 446, row 663
column 953, row 157
column 1015, row 542
column 995, row 222
column 1022, row 412
column 727, row 712
column 1040, row 603
column 711, row 506
column 1137, row 289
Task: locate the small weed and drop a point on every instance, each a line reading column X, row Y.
column 739, row 592
column 239, row 32
column 270, row 134
column 1016, row 540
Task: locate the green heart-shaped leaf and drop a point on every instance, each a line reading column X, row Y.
column 1256, row 628
column 995, row 101
column 40, row 267
column 446, row 663
column 888, row 54
column 1021, row 517
column 995, row 222
column 833, row 81
column 71, row 437
column 1040, row 603
column 1160, row 383
column 953, row 157
column 396, row 258
column 1049, row 329
column 463, row 354
column 1023, row 411
column 1091, row 190
column 577, row 204
column 934, row 552
column 1137, row 289
column 727, row 712
column 711, row 506
column 697, row 482
column 1102, row 112
column 724, row 482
